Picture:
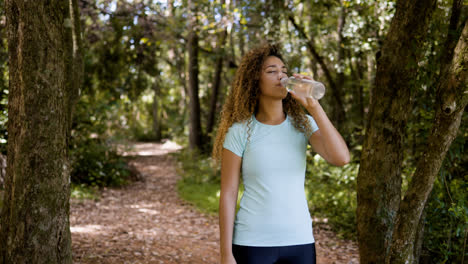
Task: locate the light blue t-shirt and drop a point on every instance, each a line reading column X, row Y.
column 273, row 209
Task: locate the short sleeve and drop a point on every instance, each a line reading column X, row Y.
column 235, row 139
column 313, row 126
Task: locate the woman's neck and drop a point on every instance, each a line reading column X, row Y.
column 270, row 111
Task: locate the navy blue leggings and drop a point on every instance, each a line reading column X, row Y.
column 297, row 254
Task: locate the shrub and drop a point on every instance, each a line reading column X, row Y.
column 94, row 160
column 200, row 181
column 331, row 193
column 95, row 163
column 195, row 167
column 446, row 223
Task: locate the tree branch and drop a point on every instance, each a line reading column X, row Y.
column 313, row 50
column 310, row 45
column 453, row 33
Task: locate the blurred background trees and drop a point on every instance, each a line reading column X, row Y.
column 159, row 70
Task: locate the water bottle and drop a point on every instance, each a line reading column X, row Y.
column 304, row 87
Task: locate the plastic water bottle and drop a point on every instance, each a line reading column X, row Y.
column 304, row 87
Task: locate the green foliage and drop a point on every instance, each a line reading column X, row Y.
column 203, row 196
column 200, row 181
column 331, row 193
column 140, row 118
column 94, row 158
column 96, row 164
column 84, row 192
column 197, row 168
column 3, row 82
column 446, row 224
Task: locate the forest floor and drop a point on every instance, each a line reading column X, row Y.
column 146, row 221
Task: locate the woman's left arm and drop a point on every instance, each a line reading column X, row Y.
column 326, row 141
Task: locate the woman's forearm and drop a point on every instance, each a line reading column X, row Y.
column 227, row 210
column 334, row 146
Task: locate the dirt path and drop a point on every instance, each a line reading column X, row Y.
column 146, row 222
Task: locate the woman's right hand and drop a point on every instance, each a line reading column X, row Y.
column 228, row 259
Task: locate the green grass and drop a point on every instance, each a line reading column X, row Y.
column 200, row 181
column 204, row 196
column 80, row 192
column 84, row 192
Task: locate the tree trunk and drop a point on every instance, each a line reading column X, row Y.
column 449, row 110
column 241, row 39
column 453, row 33
column 195, row 134
column 358, row 87
column 216, row 81
column 156, row 119
column 379, row 178
column 45, row 73
column 337, row 110
column 3, row 165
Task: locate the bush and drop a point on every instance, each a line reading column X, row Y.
column 94, row 163
column 446, row 223
column 94, row 160
column 199, row 184
column 331, row 193
column 84, row 192
column 195, row 167
column 200, row 181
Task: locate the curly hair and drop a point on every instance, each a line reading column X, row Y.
column 242, row 100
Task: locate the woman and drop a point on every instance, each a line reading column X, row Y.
column 263, row 136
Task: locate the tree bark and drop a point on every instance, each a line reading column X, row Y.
column 195, row 134
column 337, row 110
column 450, row 107
column 44, row 49
column 216, row 81
column 453, row 33
column 379, row 177
column 156, row 119
column 358, row 87
column 3, row 165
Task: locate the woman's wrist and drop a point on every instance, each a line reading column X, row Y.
column 226, row 250
column 226, row 254
column 315, row 109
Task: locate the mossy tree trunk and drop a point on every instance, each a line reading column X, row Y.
column 45, row 74
column 451, row 102
column 379, row 178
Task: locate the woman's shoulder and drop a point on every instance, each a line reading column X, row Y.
column 240, row 125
